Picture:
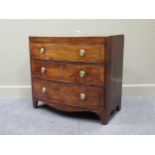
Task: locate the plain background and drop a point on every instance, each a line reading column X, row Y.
column 139, row 50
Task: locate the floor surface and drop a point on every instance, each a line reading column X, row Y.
column 17, row 116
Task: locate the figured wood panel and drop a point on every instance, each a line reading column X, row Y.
column 68, row 94
column 66, row 72
column 57, row 52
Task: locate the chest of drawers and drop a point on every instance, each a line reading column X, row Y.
column 78, row 73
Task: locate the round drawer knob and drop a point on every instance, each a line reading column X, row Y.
column 82, row 52
column 82, row 96
column 42, row 50
column 43, row 90
column 82, row 73
column 43, row 70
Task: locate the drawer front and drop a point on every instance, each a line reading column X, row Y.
column 66, row 72
column 73, row 53
column 68, row 94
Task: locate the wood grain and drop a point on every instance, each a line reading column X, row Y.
column 65, row 72
column 69, row 40
column 56, row 52
column 68, row 94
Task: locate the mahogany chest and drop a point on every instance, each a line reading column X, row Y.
column 78, row 73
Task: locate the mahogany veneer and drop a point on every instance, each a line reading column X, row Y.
column 78, row 73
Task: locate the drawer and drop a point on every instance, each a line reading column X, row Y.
column 69, row 94
column 63, row 52
column 87, row 74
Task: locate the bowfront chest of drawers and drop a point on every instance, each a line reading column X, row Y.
column 78, row 73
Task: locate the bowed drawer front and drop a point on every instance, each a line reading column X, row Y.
column 65, row 72
column 72, row 53
column 78, row 73
column 69, row 94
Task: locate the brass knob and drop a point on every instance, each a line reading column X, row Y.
column 82, row 52
column 42, row 50
column 43, row 70
column 43, row 90
column 82, row 96
column 82, row 73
